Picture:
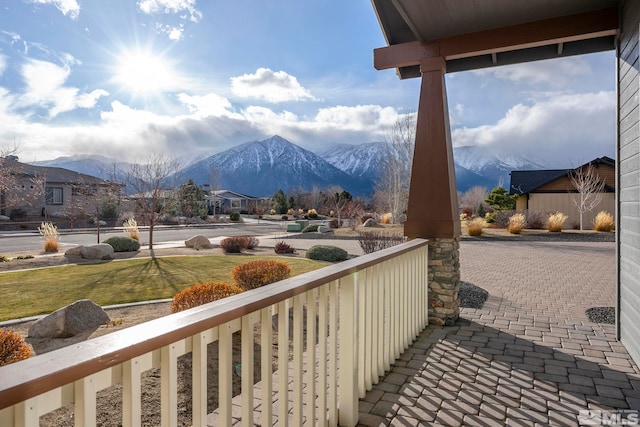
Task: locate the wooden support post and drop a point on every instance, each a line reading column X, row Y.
column 433, row 198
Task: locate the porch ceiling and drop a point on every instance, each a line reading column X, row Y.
column 434, row 21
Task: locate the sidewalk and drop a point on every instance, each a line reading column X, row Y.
column 529, row 357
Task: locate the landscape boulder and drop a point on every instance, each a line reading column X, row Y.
column 102, row 251
column 68, row 321
column 198, row 242
column 369, row 223
column 76, row 251
column 324, row 229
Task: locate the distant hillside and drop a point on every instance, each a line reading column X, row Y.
column 260, row 168
column 94, row 165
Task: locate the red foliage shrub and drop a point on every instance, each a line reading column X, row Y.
column 255, row 274
column 284, row 248
column 202, row 293
column 252, row 242
column 234, row 245
column 13, row 348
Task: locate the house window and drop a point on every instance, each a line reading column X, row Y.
column 53, row 195
column 236, row 204
column 84, row 190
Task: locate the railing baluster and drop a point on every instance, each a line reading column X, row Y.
column 169, row 386
column 266, row 364
column 283, row 363
column 26, row 413
column 298, row 329
column 199, row 380
column 379, row 328
column 361, row 327
column 334, row 288
column 247, row 360
column 387, row 347
column 225, row 372
column 348, row 342
column 322, row 355
column 85, row 402
column 311, row 356
column 368, row 329
column 131, row 393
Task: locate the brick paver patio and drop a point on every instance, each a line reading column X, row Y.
column 529, row 357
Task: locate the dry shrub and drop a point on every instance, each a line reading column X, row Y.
column 334, row 223
column 234, row 245
column 475, row 226
column 202, row 293
column 13, row 348
column 130, row 226
column 386, row 218
column 51, row 246
column 252, row 242
column 374, row 241
column 51, row 236
column 255, row 274
column 516, row 223
column 282, row 248
column 556, row 222
column 535, row 220
column 603, row 222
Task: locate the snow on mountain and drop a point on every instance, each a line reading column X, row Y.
column 361, row 160
column 260, row 168
column 94, row 165
column 493, row 166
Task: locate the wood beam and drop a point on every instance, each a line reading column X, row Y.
column 564, row 29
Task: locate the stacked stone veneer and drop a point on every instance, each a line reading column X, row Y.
column 444, row 281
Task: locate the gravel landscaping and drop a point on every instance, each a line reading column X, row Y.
column 601, row 315
column 472, row 296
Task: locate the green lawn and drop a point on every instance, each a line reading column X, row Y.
column 29, row 293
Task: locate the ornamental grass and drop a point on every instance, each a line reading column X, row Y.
column 555, row 222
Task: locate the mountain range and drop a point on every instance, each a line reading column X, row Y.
column 261, row 167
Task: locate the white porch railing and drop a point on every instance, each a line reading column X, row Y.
column 345, row 325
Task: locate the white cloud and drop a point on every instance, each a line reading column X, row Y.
column 67, row 7
column 555, row 73
column 269, row 86
column 171, row 7
column 45, row 89
column 561, row 127
column 207, row 105
column 3, row 64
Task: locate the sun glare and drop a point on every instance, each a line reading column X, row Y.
column 144, row 72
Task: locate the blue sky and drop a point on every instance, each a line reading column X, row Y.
column 190, row 78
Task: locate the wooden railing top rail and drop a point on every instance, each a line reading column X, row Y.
column 28, row 378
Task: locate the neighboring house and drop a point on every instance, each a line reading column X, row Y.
column 549, row 191
column 223, row 201
column 43, row 191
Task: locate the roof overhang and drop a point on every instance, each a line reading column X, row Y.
column 479, row 34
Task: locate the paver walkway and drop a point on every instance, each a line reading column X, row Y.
column 529, row 357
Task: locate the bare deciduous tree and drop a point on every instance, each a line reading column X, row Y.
column 474, row 197
column 19, row 188
column 589, row 187
column 154, row 194
column 392, row 188
column 337, row 199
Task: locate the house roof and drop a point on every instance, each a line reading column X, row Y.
column 526, row 181
column 58, row 175
column 478, row 34
column 219, row 193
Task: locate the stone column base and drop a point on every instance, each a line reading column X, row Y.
column 444, row 281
